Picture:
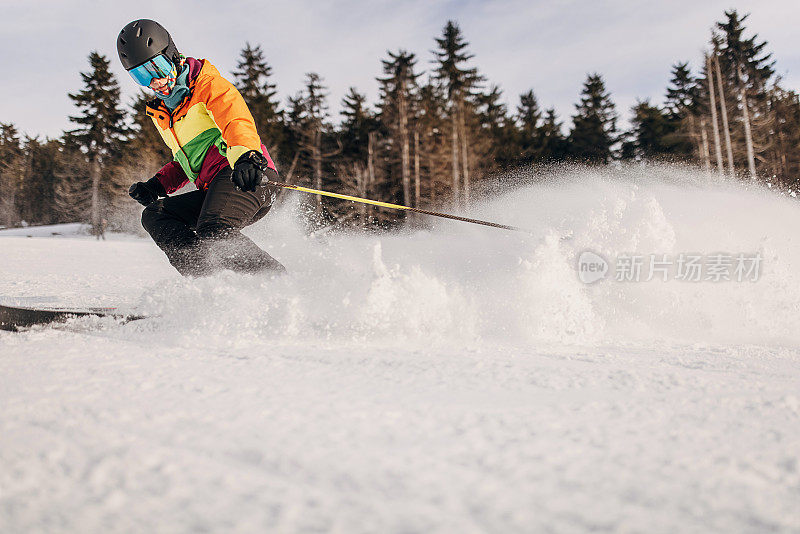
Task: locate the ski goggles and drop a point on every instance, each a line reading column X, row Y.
column 158, row 67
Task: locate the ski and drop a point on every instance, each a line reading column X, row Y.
column 14, row 317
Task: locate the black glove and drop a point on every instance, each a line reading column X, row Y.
column 248, row 170
column 145, row 193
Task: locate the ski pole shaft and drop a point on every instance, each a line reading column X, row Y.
column 393, row 206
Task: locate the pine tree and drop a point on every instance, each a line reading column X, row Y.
column 553, row 143
column 594, row 130
column 726, row 103
column 782, row 156
column 707, row 109
column 736, row 52
column 682, row 107
column 529, row 118
column 459, row 82
column 73, row 189
column 101, row 129
column 291, row 137
column 698, row 126
column 308, row 119
column 498, row 132
column 355, row 168
column 145, row 141
column 358, row 122
column 682, row 93
column 397, row 109
column 452, row 57
column 37, row 195
column 528, row 114
column 747, row 69
column 253, row 82
column 493, row 113
column 647, row 138
column 434, row 146
column 11, row 179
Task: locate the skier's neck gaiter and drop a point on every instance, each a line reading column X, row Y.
column 178, row 92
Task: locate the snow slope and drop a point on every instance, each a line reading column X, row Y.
column 456, row 379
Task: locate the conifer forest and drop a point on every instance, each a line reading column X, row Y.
column 438, row 134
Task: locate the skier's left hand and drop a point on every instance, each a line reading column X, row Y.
column 248, row 170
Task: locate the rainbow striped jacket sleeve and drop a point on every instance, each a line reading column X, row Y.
column 230, row 113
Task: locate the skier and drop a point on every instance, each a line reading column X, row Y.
column 207, row 125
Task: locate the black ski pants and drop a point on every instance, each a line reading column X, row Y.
column 199, row 230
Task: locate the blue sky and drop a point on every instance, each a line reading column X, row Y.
column 545, row 46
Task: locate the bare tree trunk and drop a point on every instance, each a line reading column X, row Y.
column 417, row 186
column 455, row 157
column 748, row 134
column 715, row 124
column 7, row 201
column 781, row 163
column 704, row 153
column 362, row 177
column 431, row 177
column 724, row 110
column 316, row 155
column 370, row 165
column 10, row 178
column 292, row 167
column 465, row 157
column 94, row 170
column 405, row 157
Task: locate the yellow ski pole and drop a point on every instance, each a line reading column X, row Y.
column 393, row 206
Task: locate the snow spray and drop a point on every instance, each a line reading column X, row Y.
column 461, row 284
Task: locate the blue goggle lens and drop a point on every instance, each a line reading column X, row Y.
column 158, row 67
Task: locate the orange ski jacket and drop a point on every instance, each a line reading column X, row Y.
column 208, row 130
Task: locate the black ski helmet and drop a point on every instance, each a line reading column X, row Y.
column 142, row 40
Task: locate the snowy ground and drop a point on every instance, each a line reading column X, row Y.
column 454, row 380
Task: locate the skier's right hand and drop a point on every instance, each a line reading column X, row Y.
column 145, row 193
column 248, row 170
